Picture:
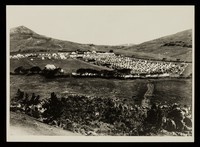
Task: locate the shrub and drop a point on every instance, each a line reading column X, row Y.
column 105, row 115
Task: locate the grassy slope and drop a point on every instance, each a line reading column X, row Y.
column 154, row 47
column 21, row 124
column 69, row 65
column 150, row 49
column 25, row 39
column 188, row 70
column 165, row 89
column 174, row 90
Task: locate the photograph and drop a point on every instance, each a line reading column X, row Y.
column 108, row 73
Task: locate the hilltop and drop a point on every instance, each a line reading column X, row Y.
column 21, row 30
column 176, row 46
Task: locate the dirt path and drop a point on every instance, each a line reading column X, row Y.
column 146, row 101
column 149, row 91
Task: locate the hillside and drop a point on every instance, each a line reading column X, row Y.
column 176, row 46
column 23, row 39
column 25, row 125
column 71, row 66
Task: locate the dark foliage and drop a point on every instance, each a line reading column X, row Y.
column 35, row 69
column 21, row 70
column 76, row 112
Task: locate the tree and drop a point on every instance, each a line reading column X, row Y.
column 52, row 72
column 36, row 100
column 124, row 71
column 31, row 102
column 53, row 108
column 19, row 95
column 19, row 69
column 153, row 121
column 26, row 99
column 35, row 69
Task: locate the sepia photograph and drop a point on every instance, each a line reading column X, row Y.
column 100, row 73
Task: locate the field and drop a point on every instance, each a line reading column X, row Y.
column 165, row 90
column 188, row 70
column 142, row 92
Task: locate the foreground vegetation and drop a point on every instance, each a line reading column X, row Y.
column 105, row 116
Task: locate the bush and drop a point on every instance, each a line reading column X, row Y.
column 53, row 108
column 21, row 70
column 51, row 73
column 35, row 69
column 90, row 115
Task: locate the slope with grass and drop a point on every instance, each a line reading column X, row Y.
column 165, row 90
column 22, row 124
column 68, row 65
column 176, row 46
column 25, row 40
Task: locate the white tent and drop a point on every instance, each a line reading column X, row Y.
column 50, row 67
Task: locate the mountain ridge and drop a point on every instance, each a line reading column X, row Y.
column 177, row 45
column 173, row 46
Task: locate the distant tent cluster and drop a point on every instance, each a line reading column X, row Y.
column 137, row 66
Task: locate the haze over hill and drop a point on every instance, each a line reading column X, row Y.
column 176, row 46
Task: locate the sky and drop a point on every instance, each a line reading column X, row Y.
column 103, row 25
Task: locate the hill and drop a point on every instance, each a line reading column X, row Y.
column 176, row 46
column 25, row 125
column 22, row 39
